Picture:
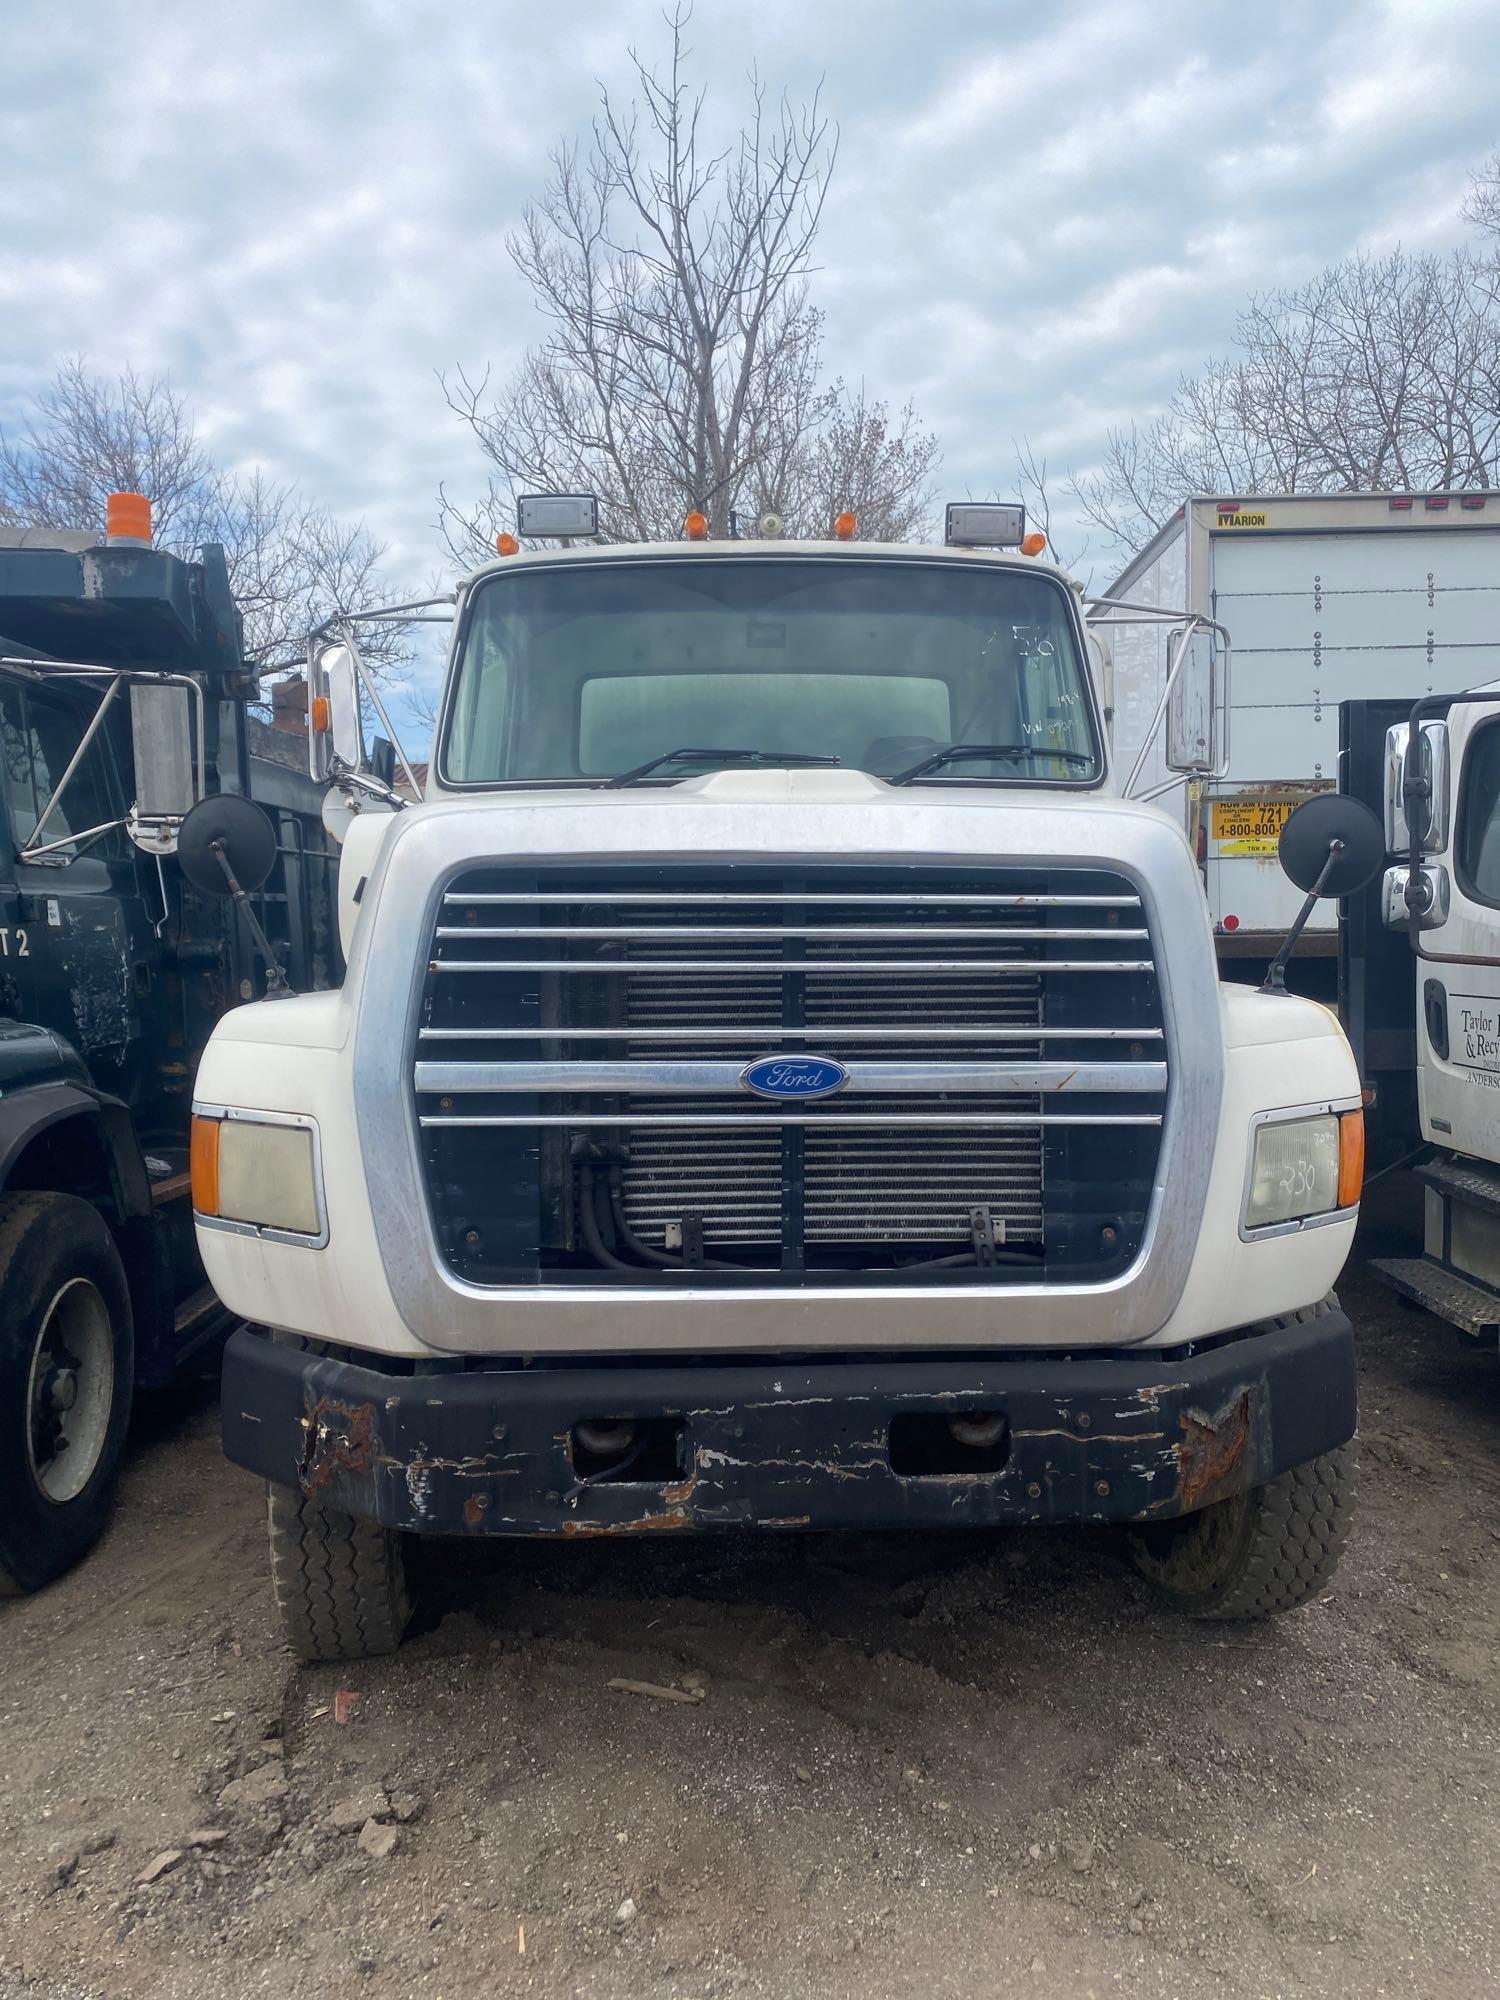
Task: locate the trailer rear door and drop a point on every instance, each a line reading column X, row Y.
column 1317, row 620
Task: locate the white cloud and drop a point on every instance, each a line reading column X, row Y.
column 1038, row 220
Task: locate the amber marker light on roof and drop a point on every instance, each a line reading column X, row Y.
column 1034, row 543
column 127, row 518
column 695, row 527
column 507, row 545
column 846, row 526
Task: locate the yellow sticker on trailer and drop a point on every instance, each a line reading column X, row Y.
column 1242, row 520
column 1249, row 826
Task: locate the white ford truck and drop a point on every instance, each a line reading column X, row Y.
column 779, row 1083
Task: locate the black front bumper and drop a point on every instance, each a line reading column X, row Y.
column 826, row 1444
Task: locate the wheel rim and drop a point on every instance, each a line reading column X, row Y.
column 71, row 1391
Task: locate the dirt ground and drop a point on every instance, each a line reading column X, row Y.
column 919, row 1766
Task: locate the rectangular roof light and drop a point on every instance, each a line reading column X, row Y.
column 556, row 516
column 984, row 524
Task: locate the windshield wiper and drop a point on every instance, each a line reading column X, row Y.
column 714, row 757
column 980, row 753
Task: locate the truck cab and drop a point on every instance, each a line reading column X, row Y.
column 779, row 1083
column 123, row 701
column 1421, row 985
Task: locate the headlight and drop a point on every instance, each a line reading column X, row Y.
column 1304, row 1167
column 258, row 1171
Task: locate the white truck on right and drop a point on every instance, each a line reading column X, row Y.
column 1327, row 598
column 1419, row 987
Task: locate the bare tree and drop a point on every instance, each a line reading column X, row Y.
column 291, row 563
column 1482, row 206
column 680, row 366
column 1382, row 373
column 857, row 456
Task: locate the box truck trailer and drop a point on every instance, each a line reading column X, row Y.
column 1327, row 598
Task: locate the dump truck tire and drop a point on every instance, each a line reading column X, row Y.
column 341, row 1583
column 1259, row 1553
column 67, row 1364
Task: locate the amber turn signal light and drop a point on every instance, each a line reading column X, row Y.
column 203, row 1161
column 1351, row 1157
column 321, row 715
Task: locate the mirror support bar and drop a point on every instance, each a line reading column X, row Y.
column 1275, row 979
column 276, row 980
column 1191, row 621
column 374, row 693
column 117, row 677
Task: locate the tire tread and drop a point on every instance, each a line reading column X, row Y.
column 340, row 1582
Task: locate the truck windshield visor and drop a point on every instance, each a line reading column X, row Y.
column 577, row 672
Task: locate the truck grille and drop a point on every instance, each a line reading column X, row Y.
column 583, row 1117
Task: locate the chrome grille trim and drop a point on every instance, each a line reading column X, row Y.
column 588, row 968
column 982, row 1031
column 1018, row 1120
column 759, row 933
column 426, row 853
column 1053, row 1078
column 671, row 898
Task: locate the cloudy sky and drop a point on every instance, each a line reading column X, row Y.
column 1040, row 215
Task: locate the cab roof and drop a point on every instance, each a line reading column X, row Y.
column 758, row 549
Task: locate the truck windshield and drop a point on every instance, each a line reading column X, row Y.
column 574, row 673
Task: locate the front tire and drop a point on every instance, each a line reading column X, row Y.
column 1259, row 1553
column 341, row 1583
column 67, row 1364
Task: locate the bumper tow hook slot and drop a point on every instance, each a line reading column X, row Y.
column 605, row 1439
column 982, row 1433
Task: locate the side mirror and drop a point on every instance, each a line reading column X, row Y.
column 335, row 723
column 227, row 847
column 1331, row 845
column 1432, row 803
column 1192, row 747
column 161, row 735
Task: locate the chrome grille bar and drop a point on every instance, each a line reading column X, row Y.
column 762, row 933
column 675, row 898
column 748, row 1120
column 746, row 1031
column 831, row 966
column 686, row 1078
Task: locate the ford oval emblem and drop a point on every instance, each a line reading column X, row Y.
column 794, row 1076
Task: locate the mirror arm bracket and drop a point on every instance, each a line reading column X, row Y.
column 1275, row 979
column 276, row 980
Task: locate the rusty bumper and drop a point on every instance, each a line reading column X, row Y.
column 859, row 1443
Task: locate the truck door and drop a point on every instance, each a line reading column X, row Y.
column 1458, row 970
column 75, row 940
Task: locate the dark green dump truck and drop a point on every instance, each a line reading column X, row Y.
column 124, row 699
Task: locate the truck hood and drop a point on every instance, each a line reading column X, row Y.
column 793, row 787
column 832, row 815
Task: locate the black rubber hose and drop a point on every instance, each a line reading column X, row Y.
column 589, row 1217
column 663, row 1258
column 970, row 1257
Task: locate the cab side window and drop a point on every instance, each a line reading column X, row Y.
column 1479, row 817
column 39, row 734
